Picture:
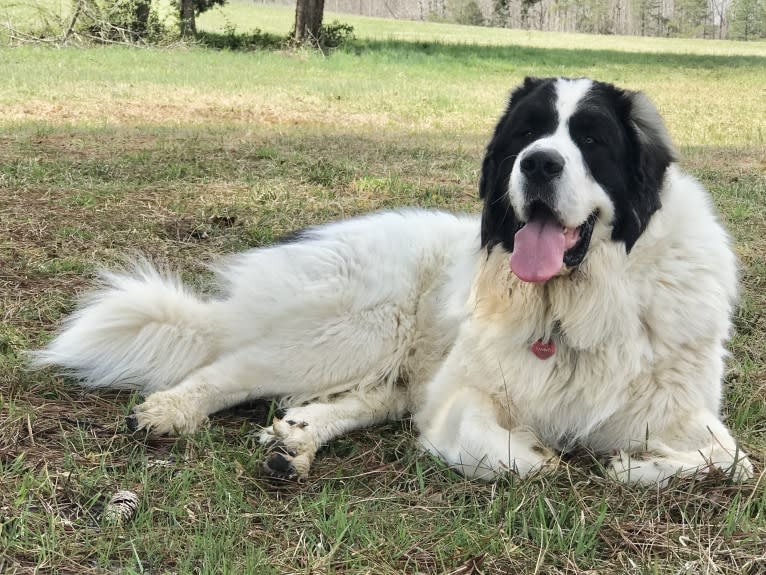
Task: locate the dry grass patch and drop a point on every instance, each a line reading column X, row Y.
column 188, row 107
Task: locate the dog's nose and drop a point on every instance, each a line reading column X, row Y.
column 542, row 166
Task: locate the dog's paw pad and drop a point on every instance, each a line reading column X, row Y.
column 280, row 466
column 131, row 422
column 137, row 425
column 291, row 448
column 286, row 462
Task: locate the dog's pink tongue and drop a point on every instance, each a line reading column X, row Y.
column 538, row 250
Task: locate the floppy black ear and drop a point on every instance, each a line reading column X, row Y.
column 650, row 153
column 501, row 137
column 498, row 222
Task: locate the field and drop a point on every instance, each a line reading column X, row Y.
column 190, row 153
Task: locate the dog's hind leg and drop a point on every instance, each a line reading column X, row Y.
column 232, row 379
column 185, row 407
column 294, row 439
column 357, row 352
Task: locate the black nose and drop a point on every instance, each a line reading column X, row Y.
column 542, row 166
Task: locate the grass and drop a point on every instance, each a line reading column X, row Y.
column 187, row 154
column 279, row 20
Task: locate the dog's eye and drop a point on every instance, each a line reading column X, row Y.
column 589, row 141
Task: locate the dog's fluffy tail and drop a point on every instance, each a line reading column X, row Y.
column 143, row 330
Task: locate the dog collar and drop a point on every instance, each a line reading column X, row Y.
column 543, row 349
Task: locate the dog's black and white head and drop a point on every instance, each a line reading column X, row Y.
column 569, row 156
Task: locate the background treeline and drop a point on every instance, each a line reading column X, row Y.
column 732, row 19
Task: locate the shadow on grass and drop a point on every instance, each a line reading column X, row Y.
column 523, row 55
column 467, row 53
column 245, row 42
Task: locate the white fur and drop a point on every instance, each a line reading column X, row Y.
column 142, row 330
column 639, row 360
column 366, row 319
column 340, row 318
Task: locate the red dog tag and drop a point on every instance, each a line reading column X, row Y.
column 543, row 350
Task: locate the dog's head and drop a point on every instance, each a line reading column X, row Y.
column 570, row 157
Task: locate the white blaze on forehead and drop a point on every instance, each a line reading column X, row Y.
column 568, row 95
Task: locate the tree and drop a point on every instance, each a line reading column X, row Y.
column 688, row 17
column 747, row 19
column 466, row 12
column 308, row 21
column 187, row 20
column 501, row 15
column 113, row 20
column 526, row 5
column 718, row 14
column 188, row 10
column 594, row 17
column 651, row 17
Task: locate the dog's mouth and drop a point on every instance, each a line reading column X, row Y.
column 542, row 245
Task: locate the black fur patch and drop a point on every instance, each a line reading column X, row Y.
column 530, row 114
column 627, row 160
column 294, row 237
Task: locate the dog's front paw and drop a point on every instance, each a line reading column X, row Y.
column 529, row 456
column 549, row 462
column 649, row 468
column 284, row 463
column 291, row 449
column 638, row 467
column 164, row 413
column 742, row 469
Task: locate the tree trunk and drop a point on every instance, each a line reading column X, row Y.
column 188, row 25
column 141, row 19
column 308, row 21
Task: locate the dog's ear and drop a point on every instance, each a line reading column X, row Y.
column 493, row 154
column 498, row 223
column 493, row 186
column 650, row 153
column 656, row 151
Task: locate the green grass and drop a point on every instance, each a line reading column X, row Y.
column 187, row 154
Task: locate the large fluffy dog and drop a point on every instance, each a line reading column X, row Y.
column 589, row 306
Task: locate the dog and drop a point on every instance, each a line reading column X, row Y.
column 588, row 306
